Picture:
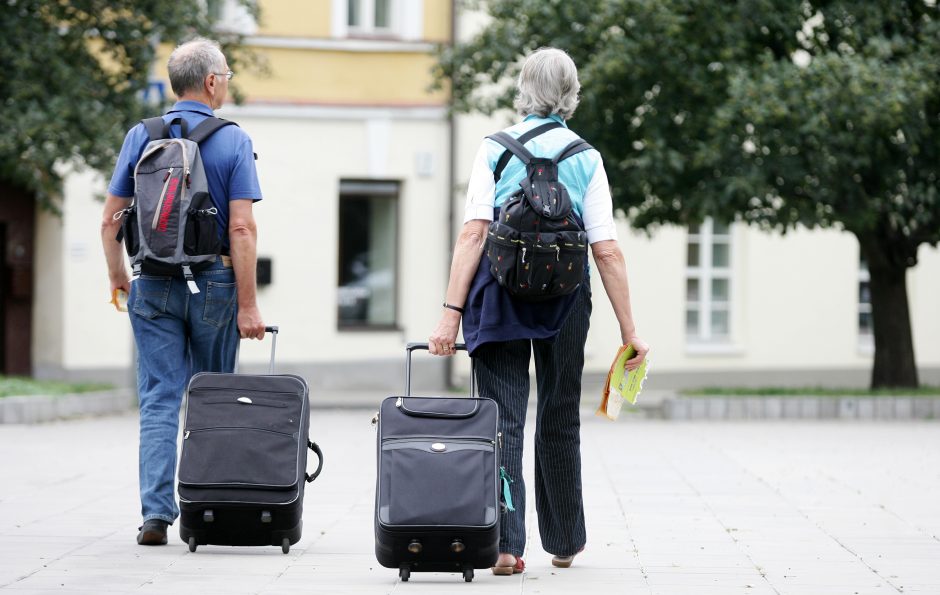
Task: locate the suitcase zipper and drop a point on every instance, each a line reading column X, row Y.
column 440, row 439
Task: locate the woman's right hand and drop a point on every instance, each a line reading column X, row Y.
column 444, row 337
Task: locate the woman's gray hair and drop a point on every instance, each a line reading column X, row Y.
column 191, row 62
column 548, row 84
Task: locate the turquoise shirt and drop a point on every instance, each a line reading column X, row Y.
column 575, row 172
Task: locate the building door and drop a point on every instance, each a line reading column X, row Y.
column 17, row 224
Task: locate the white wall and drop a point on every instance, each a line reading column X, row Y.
column 794, row 297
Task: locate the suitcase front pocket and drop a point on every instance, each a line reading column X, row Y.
column 239, row 457
column 438, row 483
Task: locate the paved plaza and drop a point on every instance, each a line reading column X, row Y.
column 709, row 508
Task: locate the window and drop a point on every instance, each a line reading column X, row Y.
column 370, row 16
column 230, row 16
column 368, row 241
column 866, row 330
column 708, row 283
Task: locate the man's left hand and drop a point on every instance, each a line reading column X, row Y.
column 250, row 323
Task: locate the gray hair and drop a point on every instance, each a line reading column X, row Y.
column 548, row 84
column 191, row 62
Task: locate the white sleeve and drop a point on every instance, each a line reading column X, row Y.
column 599, row 208
column 481, row 190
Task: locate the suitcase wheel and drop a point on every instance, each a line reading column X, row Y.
column 468, row 573
column 404, row 573
column 285, row 545
column 192, row 543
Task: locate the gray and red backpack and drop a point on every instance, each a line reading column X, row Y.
column 170, row 227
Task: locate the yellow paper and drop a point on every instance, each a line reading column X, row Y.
column 621, row 385
column 119, row 299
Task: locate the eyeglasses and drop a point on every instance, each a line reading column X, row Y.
column 227, row 74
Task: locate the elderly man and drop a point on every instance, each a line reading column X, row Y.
column 502, row 331
column 180, row 331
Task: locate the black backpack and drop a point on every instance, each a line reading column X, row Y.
column 170, row 227
column 538, row 247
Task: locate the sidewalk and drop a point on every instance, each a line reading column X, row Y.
column 710, row 508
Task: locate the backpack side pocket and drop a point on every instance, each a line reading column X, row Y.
column 130, row 232
column 201, row 236
column 501, row 249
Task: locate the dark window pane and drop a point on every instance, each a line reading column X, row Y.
column 693, row 255
column 691, row 290
column 354, row 19
column 864, row 323
column 691, row 322
column 719, row 290
column 721, row 255
column 864, row 292
column 720, row 323
column 382, row 14
column 367, row 267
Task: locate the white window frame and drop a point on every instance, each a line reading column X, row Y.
column 233, row 17
column 706, row 273
column 406, row 20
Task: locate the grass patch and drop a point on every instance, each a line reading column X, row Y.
column 779, row 391
column 18, row 385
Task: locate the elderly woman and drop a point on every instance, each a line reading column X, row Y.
column 501, row 331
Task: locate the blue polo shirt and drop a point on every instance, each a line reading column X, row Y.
column 227, row 157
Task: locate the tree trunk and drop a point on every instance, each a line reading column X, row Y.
column 894, row 345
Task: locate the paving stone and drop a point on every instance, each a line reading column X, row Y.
column 711, row 508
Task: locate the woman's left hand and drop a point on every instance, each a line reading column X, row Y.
column 444, row 337
column 641, row 350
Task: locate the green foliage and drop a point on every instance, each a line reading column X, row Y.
column 776, row 112
column 73, row 76
column 18, row 386
column 817, row 391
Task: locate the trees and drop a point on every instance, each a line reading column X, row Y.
column 74, row 72
column 820, row 113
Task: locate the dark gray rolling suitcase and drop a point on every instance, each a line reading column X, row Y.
column 437, row 506
column 243, row 462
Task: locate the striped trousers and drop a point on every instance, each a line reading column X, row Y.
column 502, row 373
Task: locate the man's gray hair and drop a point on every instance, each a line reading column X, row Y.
column 548, row 84
column 191, row 62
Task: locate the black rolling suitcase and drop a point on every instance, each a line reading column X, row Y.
column 437, row 506
column 243, row 463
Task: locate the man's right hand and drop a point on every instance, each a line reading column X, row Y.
column 250, row 324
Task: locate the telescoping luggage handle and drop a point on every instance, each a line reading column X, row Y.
column 424, row 346
column 268, row 329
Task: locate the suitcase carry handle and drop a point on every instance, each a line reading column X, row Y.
column 425, row 347
column 268, row 329
column 316, row 450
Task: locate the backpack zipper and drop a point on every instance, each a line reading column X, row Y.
column 159, row 209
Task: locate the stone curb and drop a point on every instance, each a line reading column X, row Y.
column 32, row 409
column 801, row 407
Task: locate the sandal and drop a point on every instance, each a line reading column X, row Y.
column 516, row 567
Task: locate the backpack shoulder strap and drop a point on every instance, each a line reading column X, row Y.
column 576, row 146
column 522, row 140
column 155, row 127
column 207, row 128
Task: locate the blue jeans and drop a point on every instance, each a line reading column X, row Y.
column 502, row 373
column 177, row 334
